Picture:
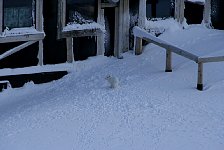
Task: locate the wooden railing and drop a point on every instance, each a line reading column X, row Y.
column 141, row 34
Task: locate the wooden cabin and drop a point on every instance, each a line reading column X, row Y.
column 40, row 32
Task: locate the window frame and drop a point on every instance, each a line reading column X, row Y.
column 37, row 24
column 73, row 33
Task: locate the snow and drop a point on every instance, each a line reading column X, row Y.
column 75, row 26
column 19, row 31
column 150, row 109
column 195, row 1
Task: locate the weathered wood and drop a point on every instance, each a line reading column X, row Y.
column 138, row 46
column 100, row 38
column 21, row 38
column 116, row 32
column 142, row 14
column 61, row 18
column 207, row 13
column 157, row 41
column 70, row 53
column 16, row 49
column 168, row 60
column 174, row 49
column 40, row 53
column 81, row 33
column 1, row 16
column 211, row 59
column 39, row 15
column 109, row 5
column 179, row 10
column 200, row 76
column 120, row 30
column 39, row 27
column 113, row 1
column 141, row 24
column 126, row 26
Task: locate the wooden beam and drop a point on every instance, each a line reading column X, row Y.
column 138, row 46
column 81, row 33
column 141, row 33
column 16, row 49
column 179, row 10
column 70, row 53
column 40, row 53
column 207, row 13
column 142, row 14
column 100, row 38
column 21, row 38
column 109, row 5
column 120, row 43
column 39, row 15
column 113, row 1
column 211, row 59
column 1, row 16
column 116, row 32
column 200, row 77
column 126, row 26
column 61, row 17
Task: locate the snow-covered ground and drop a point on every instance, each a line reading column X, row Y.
column 150, row 110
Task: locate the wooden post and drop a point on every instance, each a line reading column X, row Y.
column 39, row 27
column 200, row 76
column 100, row 38
column 138, row 46
column 116, row 32
column 70, row 53
column 1, row 16
column 142, row 14
column 40, row 54
column 119, row 30
column 141, row 24
column 207, row 13
column 179, row 10
column 168, row 60
column 126, row 26
column 61, row 17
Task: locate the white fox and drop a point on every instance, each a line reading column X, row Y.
column 113, row 81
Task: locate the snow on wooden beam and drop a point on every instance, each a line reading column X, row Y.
column 21, row 38
column 113, row 1
column 141, row 33
column 211, row 59
column 37, row 69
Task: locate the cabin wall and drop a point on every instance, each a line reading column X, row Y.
column 217, row 14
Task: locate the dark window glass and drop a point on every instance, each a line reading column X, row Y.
column 159, row 8
column 18, row 13
column 81, row 11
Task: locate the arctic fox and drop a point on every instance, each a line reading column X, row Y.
column 113, row 81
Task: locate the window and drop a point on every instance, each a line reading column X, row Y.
column 159, row 8
column 81, row 11
column 18, row 13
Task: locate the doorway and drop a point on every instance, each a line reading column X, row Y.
column 109, row 16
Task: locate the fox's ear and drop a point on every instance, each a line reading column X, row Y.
column 108, row 76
